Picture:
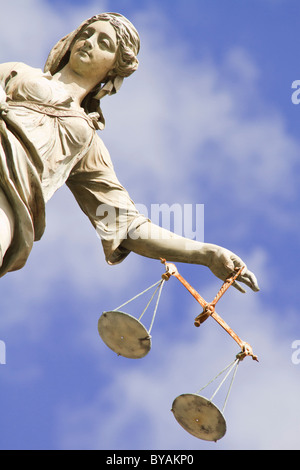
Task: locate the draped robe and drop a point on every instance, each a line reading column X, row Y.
column 45, row 142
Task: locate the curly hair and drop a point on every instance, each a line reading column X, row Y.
column 128, row 41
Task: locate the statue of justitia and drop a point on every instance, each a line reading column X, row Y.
column 49, row 123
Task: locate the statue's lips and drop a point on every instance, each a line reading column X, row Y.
column 83, row 52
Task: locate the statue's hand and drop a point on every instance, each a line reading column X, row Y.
column 223, row 262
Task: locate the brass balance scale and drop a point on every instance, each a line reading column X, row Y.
column 128, row 337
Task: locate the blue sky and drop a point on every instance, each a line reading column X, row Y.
column 207, row 119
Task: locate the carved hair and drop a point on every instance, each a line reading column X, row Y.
column 128, row 43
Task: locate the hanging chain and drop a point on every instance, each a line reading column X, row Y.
column 138, row 295
column 231, row 383
column 218, row 375
column 220, row 385
column 153, row 295
column 157, row 302
column 231, row 366
column 159, row 285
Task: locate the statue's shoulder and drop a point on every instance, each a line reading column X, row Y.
column 9, row 67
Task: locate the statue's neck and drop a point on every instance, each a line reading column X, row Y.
column 76, row 85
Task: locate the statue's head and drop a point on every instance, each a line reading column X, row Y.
column 126, row 62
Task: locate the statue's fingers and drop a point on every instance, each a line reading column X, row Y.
column 250, row 280
column 239, row 287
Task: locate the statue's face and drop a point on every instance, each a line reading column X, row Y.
column 94, row 51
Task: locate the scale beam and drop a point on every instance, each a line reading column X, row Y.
column 209, row 307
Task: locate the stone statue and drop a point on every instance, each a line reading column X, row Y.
column 48, row 137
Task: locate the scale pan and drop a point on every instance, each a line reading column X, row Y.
column 199, row 416
column 124, row 334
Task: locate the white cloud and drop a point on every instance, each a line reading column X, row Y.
column 30, row 29
column 179, row 120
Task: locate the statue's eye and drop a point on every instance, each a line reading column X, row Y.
column 105, row 42
column 84, row 35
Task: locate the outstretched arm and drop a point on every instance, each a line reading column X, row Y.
column 155, row 242
column 99, row 193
